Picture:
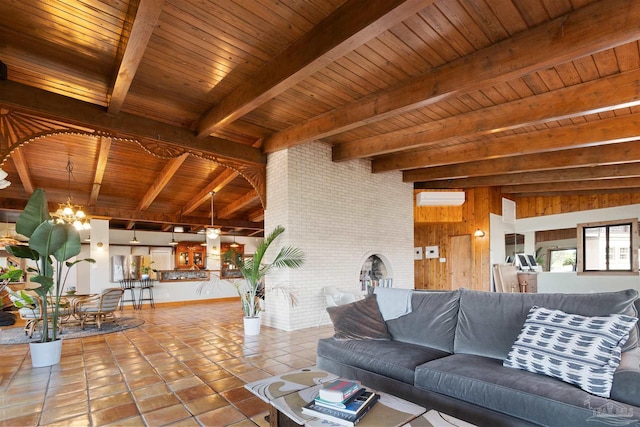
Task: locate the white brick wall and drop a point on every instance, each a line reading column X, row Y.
column 339, row 214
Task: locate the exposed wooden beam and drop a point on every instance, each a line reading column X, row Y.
column 237, row 204
column 591, row 185
column 573, row 193
column 145, row 21
column 628, row 170
column 597, row 96
column 203, row 195
column 627, row 152
column 163, row 178
column 23, row 170
column 599, row 132
column 103, row 157
column 25, row 98
column 348, row 27
column 588, row 30
column 257, row 215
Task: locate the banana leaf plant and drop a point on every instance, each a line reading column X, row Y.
column 253, row 270
column 51, row 246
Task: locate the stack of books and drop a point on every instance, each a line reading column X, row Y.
column 341, row 401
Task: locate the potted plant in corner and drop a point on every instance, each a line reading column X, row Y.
column 51, row 245
column 253, row 271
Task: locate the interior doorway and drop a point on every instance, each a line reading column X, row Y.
column 460, row 262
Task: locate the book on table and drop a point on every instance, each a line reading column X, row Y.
column 339, row 390
column 352, row 405
column 355, row 410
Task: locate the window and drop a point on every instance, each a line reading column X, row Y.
column 562, row 259
column 607, row 246
column 623, row 254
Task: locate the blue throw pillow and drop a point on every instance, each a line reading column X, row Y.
column 580, row 350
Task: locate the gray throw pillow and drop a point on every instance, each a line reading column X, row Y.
column 360, row 320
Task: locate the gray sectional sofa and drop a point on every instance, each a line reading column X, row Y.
column 448, row 354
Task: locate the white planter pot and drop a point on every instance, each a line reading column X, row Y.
column 145, row 277
column 252, row 325
column 45, row 353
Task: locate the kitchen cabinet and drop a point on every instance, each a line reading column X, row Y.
column 227, row 268
column 190, row 255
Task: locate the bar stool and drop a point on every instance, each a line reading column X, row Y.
column 146, row 284
column 129, row 284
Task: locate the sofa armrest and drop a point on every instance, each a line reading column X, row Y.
column 626, row 380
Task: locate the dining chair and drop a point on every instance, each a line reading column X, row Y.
column 99, row 308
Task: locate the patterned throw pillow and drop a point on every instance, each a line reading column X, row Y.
column 580, row 350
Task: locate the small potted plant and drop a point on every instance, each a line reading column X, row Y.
column 145, row 271
column 51, row 246
column 253, row 271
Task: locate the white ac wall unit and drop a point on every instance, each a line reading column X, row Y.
column 440, row 198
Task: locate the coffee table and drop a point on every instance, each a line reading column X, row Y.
column 287, row 393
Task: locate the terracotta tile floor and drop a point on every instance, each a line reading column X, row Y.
column 184, row 366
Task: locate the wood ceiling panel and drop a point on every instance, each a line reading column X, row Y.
column 383, row 92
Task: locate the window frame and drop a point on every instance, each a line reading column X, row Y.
column 560, row 249
column 633, row 253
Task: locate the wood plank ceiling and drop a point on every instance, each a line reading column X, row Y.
column 159, row 102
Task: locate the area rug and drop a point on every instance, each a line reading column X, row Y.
column 16, row 335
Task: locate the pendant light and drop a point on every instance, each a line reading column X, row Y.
column 173, row 240
column 234, row 244
column 135, row 240
column 68, row 212
column 212, row 233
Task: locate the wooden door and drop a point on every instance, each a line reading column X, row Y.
column 460, row 261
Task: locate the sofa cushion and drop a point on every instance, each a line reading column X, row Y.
column 359, row 320
column 489, row 322
column 393, row 359
column 626, row 380
column 432, row 321
column 580, row 350
column 534, row 398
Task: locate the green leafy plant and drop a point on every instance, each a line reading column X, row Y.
column 146, row 269
column 253, row 270
column 51, row 246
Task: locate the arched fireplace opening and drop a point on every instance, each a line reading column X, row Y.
column 376, row 271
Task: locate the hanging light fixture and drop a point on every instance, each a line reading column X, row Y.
column 173, row 240
column 234, row 244
column 135, row 240
column 7, row 239
column 213, row 233
column 3, row 182
column 68, row 212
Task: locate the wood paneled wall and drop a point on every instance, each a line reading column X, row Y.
column 434, row 226
column 534, row 206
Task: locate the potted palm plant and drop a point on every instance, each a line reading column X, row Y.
column 253, row 271
column 51, row 246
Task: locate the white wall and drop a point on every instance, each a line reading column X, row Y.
column 92, row 278
column 568, row 282
column 339, row 214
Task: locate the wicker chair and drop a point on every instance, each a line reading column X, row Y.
column 99, row 308
column 33, row 316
